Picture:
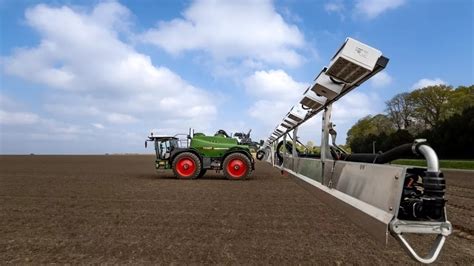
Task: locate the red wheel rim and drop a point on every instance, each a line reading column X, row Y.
column 185, row 167
column 236, row 168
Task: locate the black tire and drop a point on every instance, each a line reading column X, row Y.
column 278, row 153
column 186, row 165
column 260, row 155
column 202, row 173
column 237, row 166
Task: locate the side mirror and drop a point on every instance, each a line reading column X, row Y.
column 146, row 143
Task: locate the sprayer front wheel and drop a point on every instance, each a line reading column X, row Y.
column 186, row 165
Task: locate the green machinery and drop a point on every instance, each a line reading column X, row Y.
column 191, row 157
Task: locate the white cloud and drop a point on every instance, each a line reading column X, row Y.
column 71, row 110
column 98, row 125
column 29, row 127
column 117, row 118
column 372, row 8
column 6, row 102
column 427, row 82
column 336, row 6
column 355, row 105
column 27, row 132
column 381, row 79
column 269, row 112
column 274, row 84
column 231, row 29
column 96, row 74
column 276, row 93
column 18, row 118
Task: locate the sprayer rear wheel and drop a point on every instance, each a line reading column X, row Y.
column 237, row 166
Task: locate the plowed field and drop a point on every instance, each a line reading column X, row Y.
column 117, row 209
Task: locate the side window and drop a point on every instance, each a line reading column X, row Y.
column 174, row 144
column 166, row 149
column 162, row 149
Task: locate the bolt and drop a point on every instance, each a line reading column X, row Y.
column 390, row 208
column 396, row 177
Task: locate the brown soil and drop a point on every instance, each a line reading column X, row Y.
column 116, row 209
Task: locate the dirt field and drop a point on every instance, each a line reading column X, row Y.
column 116, row 209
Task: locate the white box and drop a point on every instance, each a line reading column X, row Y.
column 311, row 100
column 290, row 121
column 324, row 86
column 296, row 114
column 353, row 61
column 285, row 125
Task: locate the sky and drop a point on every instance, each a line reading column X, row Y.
column 92, row 77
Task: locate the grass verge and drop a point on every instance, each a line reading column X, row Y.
column 451, row 164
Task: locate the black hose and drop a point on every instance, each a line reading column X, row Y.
column 288, row 147
column 380, row 158
column 221, row 131
column 278, row 154
column 336, row 82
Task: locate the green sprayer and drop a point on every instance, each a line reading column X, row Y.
column 191, row 157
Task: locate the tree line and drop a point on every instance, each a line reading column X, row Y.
column 441, row 114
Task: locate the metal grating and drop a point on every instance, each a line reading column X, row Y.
column 310, row 103
column 346, row 71
column 294, row 117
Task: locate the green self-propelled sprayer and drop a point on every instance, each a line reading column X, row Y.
column 192, row 156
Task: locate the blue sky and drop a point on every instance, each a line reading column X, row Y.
column 97, row 76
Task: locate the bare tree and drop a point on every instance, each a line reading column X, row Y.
column 400, row 110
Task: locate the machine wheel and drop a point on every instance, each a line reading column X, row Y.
column 237, row 166
column 186, row 165
column 260, row 155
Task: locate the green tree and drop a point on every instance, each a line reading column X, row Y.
column 361, row 135
column 309, row 145
column 431, row 104
column 452, row 138
column 383, row 123
column 441, row 114
column 461, row 99
column 362, row 128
